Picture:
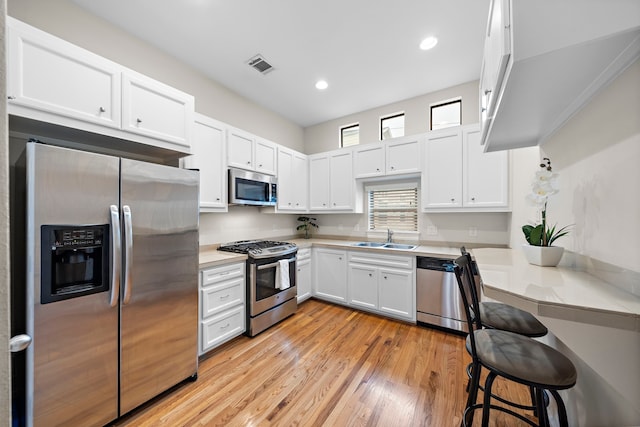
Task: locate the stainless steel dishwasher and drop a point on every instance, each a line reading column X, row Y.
column 438, row 299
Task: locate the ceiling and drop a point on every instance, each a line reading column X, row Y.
column 366, row 50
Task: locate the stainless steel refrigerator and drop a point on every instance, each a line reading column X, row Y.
column 110, row 286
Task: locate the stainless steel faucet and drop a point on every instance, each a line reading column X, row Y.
column 389, row 235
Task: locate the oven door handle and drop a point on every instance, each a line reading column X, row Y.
column 274, row 264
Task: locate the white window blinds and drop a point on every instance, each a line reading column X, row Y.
column 393, row 208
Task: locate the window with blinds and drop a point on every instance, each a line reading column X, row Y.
column 393, row 207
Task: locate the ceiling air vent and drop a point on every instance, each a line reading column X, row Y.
column 260, row 64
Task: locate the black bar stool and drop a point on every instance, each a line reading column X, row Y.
column 512, row 356
column 496, row 315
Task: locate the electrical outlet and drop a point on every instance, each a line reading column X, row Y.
column 432, row 230
column 473, row 231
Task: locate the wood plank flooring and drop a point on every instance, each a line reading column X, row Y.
column 326, row 366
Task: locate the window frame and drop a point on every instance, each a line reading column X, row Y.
column 341, row 130
column 442, row 104
column 400, row 185
column 391, row 116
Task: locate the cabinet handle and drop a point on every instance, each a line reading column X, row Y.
column 340, row 258
column 217, row 199
column 453, row 200
column 297, row 204
column 483, row 109
column 11, row 97
column 393, row 167
column 487, row 91
column 225, row 296
column 377, row 169
column 225, row 326
column 473, row 199
column 260, row 165
column 334, row 203
column 139, row 121
column 102, row 110
column 370, row 275
column 289, row 203
column 385, row 277
column 249, row 162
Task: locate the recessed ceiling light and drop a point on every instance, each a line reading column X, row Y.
column 428, row 43
column 321, row 85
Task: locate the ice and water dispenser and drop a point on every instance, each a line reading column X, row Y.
column 75, row 261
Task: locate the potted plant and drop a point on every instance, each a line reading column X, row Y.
column 307, row 225
column 539, row 249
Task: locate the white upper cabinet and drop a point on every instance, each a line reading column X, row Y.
column 208, row 148
column 156, row 110
column 544, row 60
column 392, row 157
column 50, row 75
column 293, row 180
column 442, row 177
column 403, row 155
column 460, row 176
column 369, row 160
column 53, row 81
column 485, row 175
column 247, row 151
column 331, row 182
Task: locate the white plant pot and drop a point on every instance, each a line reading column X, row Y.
column 544, row 256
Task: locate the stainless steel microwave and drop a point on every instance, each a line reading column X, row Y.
column 252, row 188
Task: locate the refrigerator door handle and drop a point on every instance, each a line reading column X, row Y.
column 19, row 343
column 116, row 255
column 128, row 259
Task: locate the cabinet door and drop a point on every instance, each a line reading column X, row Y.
column 363, row 286
column 240, row 149
column 301, row 181
column 265, row 157
column 303, row 280
column 368, row 161
column 48, row 74
column 496, row 53
column 403, row 157
column 331, row 275
column 486, row 175
column 319, row 183
column 286, row 183
column 341, row 181
column 442, row 178
column 208, row 148
column 156, row 110
column 397, row 293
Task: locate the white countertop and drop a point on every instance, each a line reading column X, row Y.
column 558, row 292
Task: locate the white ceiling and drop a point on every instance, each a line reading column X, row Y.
column 367, row 50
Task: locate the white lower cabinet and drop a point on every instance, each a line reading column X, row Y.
column 383, row 284
column 222, row 305
column 330, row 266
column 303, row 274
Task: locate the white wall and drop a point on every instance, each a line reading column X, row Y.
column 5, row 372
column 326, row 136
column 597, row 154
column 66, row 20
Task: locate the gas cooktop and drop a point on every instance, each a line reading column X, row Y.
column 259, row 248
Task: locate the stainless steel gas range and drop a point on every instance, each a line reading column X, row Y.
column 271, row 281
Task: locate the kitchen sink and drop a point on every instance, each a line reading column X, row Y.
column 369, row 244
column 385, row 245
column 399, row 246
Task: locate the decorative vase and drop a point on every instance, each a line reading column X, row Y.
column 544, row 256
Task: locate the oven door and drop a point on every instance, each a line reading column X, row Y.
column 264, row 290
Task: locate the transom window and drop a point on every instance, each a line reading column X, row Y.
column 393, row 206
column 446, row 114
column 350, row 135
column 392, row 126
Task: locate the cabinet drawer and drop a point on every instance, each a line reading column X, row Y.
column 221, row 328
column 304, row 254
column 222, row 296
column 219, row 274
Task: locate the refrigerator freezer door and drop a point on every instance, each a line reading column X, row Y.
column 72, row 364
column 159, row 320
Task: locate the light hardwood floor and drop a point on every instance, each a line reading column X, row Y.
column 326, row 366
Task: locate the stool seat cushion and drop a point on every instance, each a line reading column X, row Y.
column 524, row 360
column 508, row 318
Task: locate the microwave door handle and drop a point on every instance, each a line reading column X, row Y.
column 274, row 264
column 128, row 259
column 116, row 255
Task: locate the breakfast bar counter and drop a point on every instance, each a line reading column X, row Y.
column 593, row 322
